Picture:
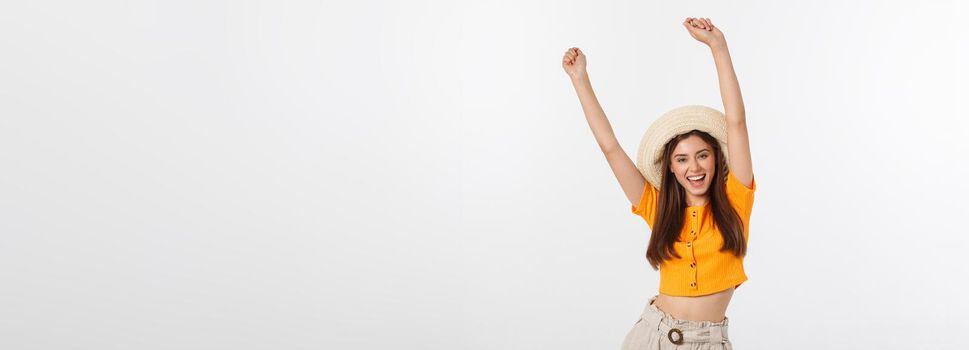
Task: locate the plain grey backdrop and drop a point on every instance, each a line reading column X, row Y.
column 419, row 175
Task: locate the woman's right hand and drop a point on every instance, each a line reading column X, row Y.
column 574, row 62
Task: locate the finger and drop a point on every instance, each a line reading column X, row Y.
column 707, row 21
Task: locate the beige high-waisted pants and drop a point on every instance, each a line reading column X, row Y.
column 658, row 330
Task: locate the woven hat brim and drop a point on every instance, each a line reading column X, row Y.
column 649, row 157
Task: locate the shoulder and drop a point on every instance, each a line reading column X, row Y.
column 735, row 186
column 740, row 196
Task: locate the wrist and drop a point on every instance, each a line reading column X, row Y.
column 720, row 45
column 579, row 77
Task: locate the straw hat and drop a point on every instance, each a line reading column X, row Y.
column 680, row 120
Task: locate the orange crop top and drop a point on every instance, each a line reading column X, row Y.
column 701, row 269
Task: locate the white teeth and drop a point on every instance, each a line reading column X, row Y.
column 696, row 178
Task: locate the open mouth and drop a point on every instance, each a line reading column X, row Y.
column 697, row 181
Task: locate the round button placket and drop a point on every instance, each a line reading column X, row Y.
column 690, row 244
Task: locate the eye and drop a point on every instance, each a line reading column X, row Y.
column 703, row 156
column 679, row 160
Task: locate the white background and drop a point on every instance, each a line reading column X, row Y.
column 419, row 175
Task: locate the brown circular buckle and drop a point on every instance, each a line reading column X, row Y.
column 670, row 335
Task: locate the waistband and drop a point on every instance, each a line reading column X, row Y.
column 684, row 331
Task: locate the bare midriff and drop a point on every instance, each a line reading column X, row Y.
column 711, row 307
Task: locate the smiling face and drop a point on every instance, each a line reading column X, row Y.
column 693, row 158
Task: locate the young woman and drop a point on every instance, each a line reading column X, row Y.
column 694, row 186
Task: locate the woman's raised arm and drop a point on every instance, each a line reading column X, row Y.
column 738, row 145
column 629, row 177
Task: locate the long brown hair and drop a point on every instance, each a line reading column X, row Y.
column 672, row 204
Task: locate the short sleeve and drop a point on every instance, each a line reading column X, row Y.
column 646, row 208
column 741, row 196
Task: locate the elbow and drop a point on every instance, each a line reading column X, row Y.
column 610, row 149
column 736, row 119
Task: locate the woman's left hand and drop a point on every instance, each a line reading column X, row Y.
column 702, row 30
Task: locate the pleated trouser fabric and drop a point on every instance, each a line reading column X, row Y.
column 658, row 330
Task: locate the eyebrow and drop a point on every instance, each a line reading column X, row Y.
column 697, row 152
